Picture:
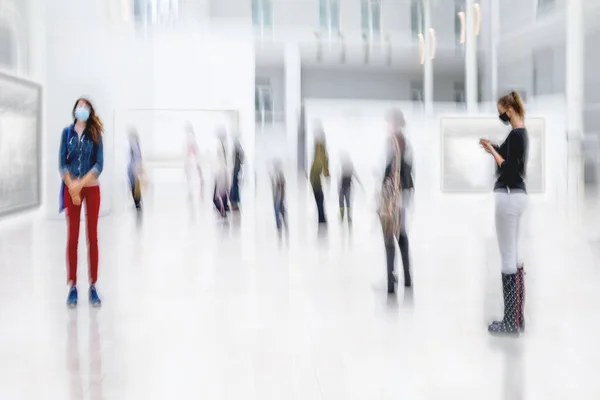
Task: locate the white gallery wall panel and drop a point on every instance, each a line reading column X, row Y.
column 467, row 168
column 20, row 144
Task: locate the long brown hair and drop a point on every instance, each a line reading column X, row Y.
column 94, row 125
column 513, row 100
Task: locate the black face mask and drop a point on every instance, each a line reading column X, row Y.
column 504, row 118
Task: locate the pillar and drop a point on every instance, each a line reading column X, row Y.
column 495, row 34
column 470, row 57
column 428, row 66
column 293, row 98
column 574, row 104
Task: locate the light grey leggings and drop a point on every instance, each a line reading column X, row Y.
column 509, row 210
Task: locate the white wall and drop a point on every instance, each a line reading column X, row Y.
column 14, row 20
column 370, row 84
column 195, row 68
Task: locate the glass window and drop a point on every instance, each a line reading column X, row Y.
column 544, row 6
column 416, row 18
column 6, row 48
column 334, row 14
column 155, row 10
column 323, row 14
column 376, row 15
column 329, row 15
column 256, row 19
column 267, row 11
column 262, row 12
column 371, row 16
column 364, row 14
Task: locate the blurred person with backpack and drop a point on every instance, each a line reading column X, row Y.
column 397, row 191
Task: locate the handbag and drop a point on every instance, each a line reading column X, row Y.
column 140, row 183
column 391, row 196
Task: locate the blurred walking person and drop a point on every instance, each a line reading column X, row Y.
column 134, row 169
column 192, row 162
column 221, row 192
column 238, row 161
column 398, row 182
column 320, row 167
column 511, row 202
column 278, row 185
column 345, row 194
column 81, row 161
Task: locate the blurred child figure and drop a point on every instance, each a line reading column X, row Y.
column 278, row 183
column 192, row 162
column 238, row 161
column 134, row 168
column 348, row 175
column 221, row 193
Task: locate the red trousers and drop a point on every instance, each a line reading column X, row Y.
column 91, row 197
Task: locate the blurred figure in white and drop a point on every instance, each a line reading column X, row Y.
column 192, row 161
column 238, row 162
column 135, row 168
column 221, row 192
column 278, row 185
column 348, row 176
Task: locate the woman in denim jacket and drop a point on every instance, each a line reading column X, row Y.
column 81, row 160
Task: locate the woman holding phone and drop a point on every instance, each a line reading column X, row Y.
column 511, row 201
column 81, row 160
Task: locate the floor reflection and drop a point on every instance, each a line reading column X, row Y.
column 513, row 374
column 72, row 358
column 96, row 374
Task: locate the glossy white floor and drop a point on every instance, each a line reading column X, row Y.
column 194, row 309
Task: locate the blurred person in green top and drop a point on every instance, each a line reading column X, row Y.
column 320, row 166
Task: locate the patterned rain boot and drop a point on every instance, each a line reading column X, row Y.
column 521, row 299
column 509, row 325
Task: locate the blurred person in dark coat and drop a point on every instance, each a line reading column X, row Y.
column 396, row 126
column 135, row 168
column 238, row 162
column 278, row 185
column 346, row 181
column 320, row 167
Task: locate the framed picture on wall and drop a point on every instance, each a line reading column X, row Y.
column 20, row 144
column 467, row 168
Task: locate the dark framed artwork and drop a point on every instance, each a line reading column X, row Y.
column 467, row 168
column 20, row 144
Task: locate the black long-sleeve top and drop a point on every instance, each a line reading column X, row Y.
column 515, row 150
column 406, row 177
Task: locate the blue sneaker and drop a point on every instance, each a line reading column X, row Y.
column 72, row 297
column 94, row 299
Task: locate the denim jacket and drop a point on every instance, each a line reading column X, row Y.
column 78, row 157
